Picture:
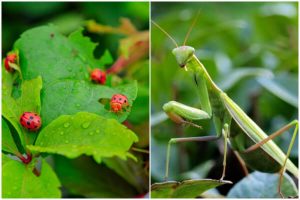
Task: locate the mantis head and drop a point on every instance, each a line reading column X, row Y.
column 183, row 54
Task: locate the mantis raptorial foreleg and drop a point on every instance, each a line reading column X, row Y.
column 179, row 113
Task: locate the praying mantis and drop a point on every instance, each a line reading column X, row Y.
column 230, row 121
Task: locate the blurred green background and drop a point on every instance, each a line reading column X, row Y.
column 83, row 177
column 235, row 41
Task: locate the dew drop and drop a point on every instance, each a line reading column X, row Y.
column 85, row 124
column 66, row 141
column 61, row 133
column 97, row 131
column 66, row 125
column 77, row 105
column 91, row 133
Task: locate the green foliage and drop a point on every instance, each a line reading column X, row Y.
column 263, row 185
column 185, row 189
column 29, row 101
column 76, row 116
column 82, row 176
column 258, row 69
column 53, row 50
column 18, row 181
column 8, row 143
column 84, row 133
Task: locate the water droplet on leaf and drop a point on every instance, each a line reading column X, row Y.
column 97, row 131
column 61, row 133
column 91, row 133
column 66, row 125
column 85, row 125
column 66, row 141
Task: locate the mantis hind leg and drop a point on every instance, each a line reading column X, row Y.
column 272, row 136
column 295, row 122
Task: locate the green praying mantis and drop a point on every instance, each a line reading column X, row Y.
column 231, row 122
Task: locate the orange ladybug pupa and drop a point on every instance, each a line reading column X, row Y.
column 118, row 102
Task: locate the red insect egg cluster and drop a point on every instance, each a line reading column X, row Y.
column 98, row 76
column 31, row 121
column 118, row 102
column 10, row 58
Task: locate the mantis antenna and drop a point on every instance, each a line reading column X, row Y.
column 191, row 27
column 160, row 28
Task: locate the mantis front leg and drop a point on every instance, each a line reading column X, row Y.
column 179, row 113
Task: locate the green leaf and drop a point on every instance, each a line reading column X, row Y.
column 8, row 143
column 263, row 185
column 82, row 96
column 46, row 52
column 85, row 133
column 235, row 76
column 184, row 189
column 18, row 181
column 82, row 176
column 283, row 86
column 29, row 101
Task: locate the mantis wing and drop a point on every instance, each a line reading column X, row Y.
column 257, row 134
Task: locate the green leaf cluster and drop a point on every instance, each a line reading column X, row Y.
column 55, row 84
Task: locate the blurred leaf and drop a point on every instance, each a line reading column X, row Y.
column 184, row 189
column 140, row 111
column 263, row 185
column 19, row 181
column 284, row 87
column 82, row 176
column 84, row 133
column 68, row 22
column 157, row 118
column 130, row 170
column 235, row 76
column 34, row 9
column 126, row 27
column 198, row 172
column 284, row 9
column 8, row 143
